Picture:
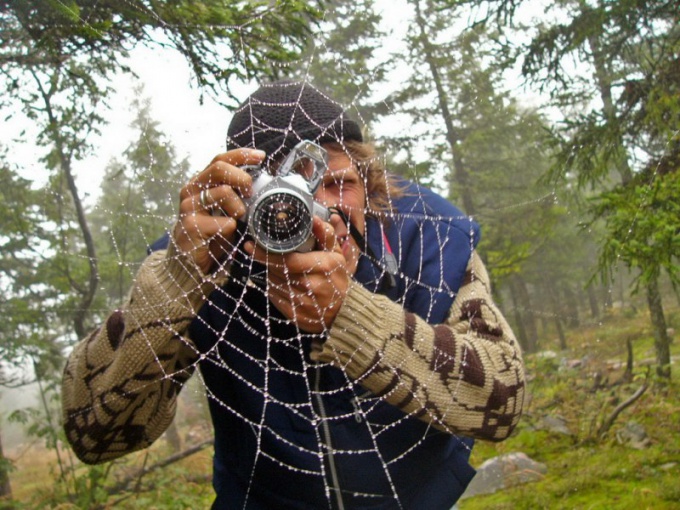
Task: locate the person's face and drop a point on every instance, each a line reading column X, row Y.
column 342, row 187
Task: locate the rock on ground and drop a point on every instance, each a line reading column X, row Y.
column 505, row 471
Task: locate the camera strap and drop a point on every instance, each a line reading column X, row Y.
column 388, row 266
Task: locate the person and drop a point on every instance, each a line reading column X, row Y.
column 353, row 375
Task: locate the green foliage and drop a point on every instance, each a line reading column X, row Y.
column 611, row 70
column 189, row 490
column 224, row 42
column 56, row 60
column 616, row 149
column 642, row 222
column 182, row 485
column 138, row 203
column 582, row 472
column 341, row 57
column 31, row 299
column 625, row 52
column 465, row 127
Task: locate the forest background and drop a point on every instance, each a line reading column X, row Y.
column 556, row 125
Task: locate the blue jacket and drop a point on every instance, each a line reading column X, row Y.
column 291, row 434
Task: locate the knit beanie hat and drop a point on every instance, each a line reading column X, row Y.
column 279, row 115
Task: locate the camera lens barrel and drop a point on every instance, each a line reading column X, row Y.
column 281, row 220
column 282, row 208
column 280, row 214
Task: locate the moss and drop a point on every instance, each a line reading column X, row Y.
column 584, row 471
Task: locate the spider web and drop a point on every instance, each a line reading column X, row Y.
column 274, row 387
column 303, row 426
column 299, row 431
column 290, row 428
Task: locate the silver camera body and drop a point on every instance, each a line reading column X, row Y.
column 280, row 211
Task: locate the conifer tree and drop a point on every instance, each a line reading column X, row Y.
column 138, row 202
column 481, row 143
column 618, row 139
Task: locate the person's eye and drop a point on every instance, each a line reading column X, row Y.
column 336, row 181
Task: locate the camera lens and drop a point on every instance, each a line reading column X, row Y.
column 281, row 221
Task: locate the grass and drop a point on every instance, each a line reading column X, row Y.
column 584, row 472
column 181, row 486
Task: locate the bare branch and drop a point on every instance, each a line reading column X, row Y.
column 607, row 424
column 126, row 482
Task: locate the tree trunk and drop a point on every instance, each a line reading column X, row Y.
column 460, row 175
column 592, row 302
column 517, row 314
column 604, row 77
column 5, row 487
column 173, row 437
column 88, row 292
column 630, row 361
column 607, row 297
column 526, row 318
column 572, row 307
column 543, row 296
column 662, row 342
column 558, row 319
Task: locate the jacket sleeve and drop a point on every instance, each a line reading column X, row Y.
column 465, row 376
column 120, row 384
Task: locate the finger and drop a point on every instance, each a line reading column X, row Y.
column 289, row 284
column 281, row 268
column 192, row 204
column 240, row 157
column 218, row 174
column 314, row 262
column 296, row 263
column 224, row 199
column 323, row 232
column 302, row 308
column 275, row 262
column 223, row 242
column 325, row 235
column 224, row 169
column 198, row 228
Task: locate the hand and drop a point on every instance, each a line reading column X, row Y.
column 307, row 288
column 197, row 232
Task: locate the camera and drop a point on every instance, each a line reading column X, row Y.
column 279, row 213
